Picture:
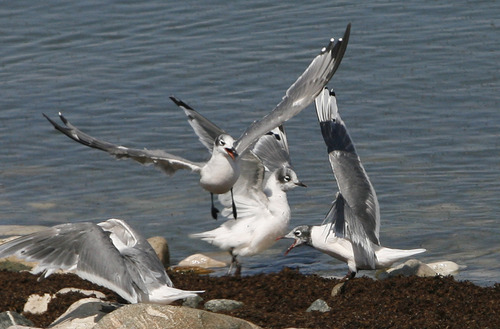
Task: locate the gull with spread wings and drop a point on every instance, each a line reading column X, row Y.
column 222, row 170
column 111, row 254
column 350, row 231
column 260, row 192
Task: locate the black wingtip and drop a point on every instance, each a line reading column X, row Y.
column 180, row 103
column 55, row 124
column 63, row 119
column 175, row 100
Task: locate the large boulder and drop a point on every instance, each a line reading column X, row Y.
column 149, row 316
column 84, row 314
column 160, row 246
column 201, row 260
column 408, row 268
column 9, row 319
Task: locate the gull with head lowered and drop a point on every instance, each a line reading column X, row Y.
column 110, row 254
column 350, row 231
column 222, row 170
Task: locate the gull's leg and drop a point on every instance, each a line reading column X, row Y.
column 215, row 211
column 341, row 286
column 235, row 215
column 234, row 262
column 349, row 276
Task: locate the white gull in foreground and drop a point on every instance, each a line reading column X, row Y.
column 260, row 192
column 110, row 254
column 350, row 231
column 222, row 170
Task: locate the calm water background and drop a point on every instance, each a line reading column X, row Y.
column 418, row 89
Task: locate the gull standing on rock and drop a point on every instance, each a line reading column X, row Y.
column 350, row 231
column 260, row 192
column 110, row 254
column 221, row 171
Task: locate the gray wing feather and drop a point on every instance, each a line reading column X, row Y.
column 206, row 130
column 138, row 252
column 167, row 162
column 272, row 149
column 83, row 247
column 248, row 190
column 301, row 93
column 351, row 177
column 344, row 224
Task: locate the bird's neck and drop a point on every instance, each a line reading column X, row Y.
column 278, row 202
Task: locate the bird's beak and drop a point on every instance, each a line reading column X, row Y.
column 232, row 153
column 301, row 184
column 294, row 244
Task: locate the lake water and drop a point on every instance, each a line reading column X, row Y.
column 418, row 89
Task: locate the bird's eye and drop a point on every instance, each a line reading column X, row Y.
column 287, row 178
column 221, row 142
column 297, row 233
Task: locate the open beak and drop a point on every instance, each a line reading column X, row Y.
column 232, row 153
column 294, row 244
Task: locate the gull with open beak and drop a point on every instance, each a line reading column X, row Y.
column 350, row 231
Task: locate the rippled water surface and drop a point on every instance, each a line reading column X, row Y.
column 418, row 89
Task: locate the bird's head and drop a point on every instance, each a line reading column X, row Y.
column 288, row 179
column 301, row 235
column 225, row 145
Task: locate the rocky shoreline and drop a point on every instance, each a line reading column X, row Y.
column 280, row 300
column 412, row 295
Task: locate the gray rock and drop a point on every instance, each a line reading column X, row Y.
column 337, row 289
column 319, row 305
column 217, row 305
column 37, row 304
column 149, row 316
column 201, row 260
column 85, row 292
column 192, row 301
column 160, row 246
column 446, row 267
column 84, row 314
column 410, row 267
column 8, row 319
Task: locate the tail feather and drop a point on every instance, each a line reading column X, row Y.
column 167, row 295
column 387, row 256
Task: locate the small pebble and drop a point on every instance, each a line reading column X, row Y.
column 319, row 305
column 217, row 305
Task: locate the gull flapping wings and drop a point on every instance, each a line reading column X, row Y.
column 355, row 213
column 167, row 162
column 272, row 149
column 110, row 254
column 270, row 152
column 301, row 93
column 205, row 129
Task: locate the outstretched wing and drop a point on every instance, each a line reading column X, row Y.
column 167, row 162
column 205, row 129
column 146, row 267
column 82, row 247
column 352, row 180
column 344, row 224
column 272, row 149
column 301, row 93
